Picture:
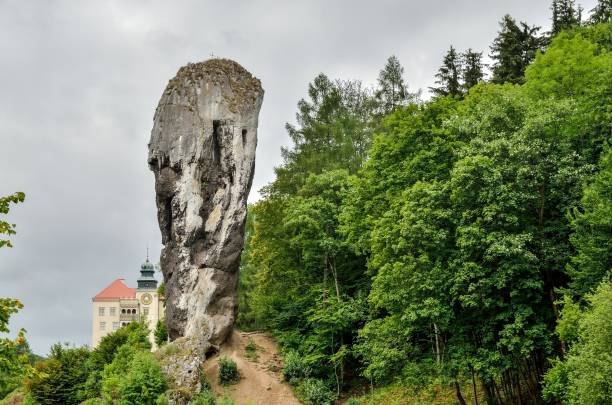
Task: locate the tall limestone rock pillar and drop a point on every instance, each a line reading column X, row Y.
column 202, row 152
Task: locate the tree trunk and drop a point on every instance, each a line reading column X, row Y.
column 458, row 392
column 335, row 275
column 474, row 387
column 437, row 343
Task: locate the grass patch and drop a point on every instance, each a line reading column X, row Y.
column 434, row 394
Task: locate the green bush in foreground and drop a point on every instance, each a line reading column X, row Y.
column 144, row 382
column 228, row 371
column 204, row 397
column 294, row 367
column 316, row 392
column 585, row 375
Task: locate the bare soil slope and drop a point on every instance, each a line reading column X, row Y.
column 261, row 382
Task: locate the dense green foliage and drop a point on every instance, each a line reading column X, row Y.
column 71, row 375
column 439, row 254
column 592, row 224
column 61, row 377
column 584, row 376
column 144, row 381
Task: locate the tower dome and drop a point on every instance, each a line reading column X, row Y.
column 147, row 280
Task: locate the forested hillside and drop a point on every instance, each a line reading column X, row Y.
column 459, row 241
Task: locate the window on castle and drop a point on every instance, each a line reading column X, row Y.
column 123, row 311
column 102, row 325
column 113, row 311
column 133, row 311
column 101, row 311
column 145, row 311
column 115, row 325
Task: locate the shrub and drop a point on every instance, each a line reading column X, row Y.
column 352, row 401
column 60, row 379
column 228, row 371
column 294, row 367
column 144, row 382
column 315, row 392
column 225, row 401
column 161, row 400
column 93, row 401
column 251, row 350
column 28, row 400
column 204, row 397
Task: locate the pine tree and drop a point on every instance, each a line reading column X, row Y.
column 513, row 50
column 161, row 333
column 448, row 75
column 392, row 91
column 472, row 72
column 601, row 12
column 564, row 15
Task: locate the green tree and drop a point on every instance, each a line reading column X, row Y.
column 449, row 75
column 513, row 50
column 472, row 71
column 602, row 12
column 392, row 91
column 60, row 378
column 161, row 333
column 585, row 375
column 333, row 131
column 411, row 145
column 564, row 15
column 5, row 227
column 592, row 238
column 144, row 381
column 135, row 334
column 14, row 360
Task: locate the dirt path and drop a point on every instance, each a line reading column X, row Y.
column 261, row 382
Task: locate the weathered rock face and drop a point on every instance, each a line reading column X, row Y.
column 202, row 152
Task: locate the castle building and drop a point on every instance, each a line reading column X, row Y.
column 117, row 305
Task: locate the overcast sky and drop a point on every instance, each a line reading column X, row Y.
column 79, row 82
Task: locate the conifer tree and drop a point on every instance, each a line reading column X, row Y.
column 601, row 12
column 564, row 15
column 392, row 91
column 449, row 74
column 513, row 50
column 472, row 71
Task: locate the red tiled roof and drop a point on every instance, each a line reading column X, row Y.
column 117, row 289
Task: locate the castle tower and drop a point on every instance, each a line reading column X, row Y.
column 151, row 307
